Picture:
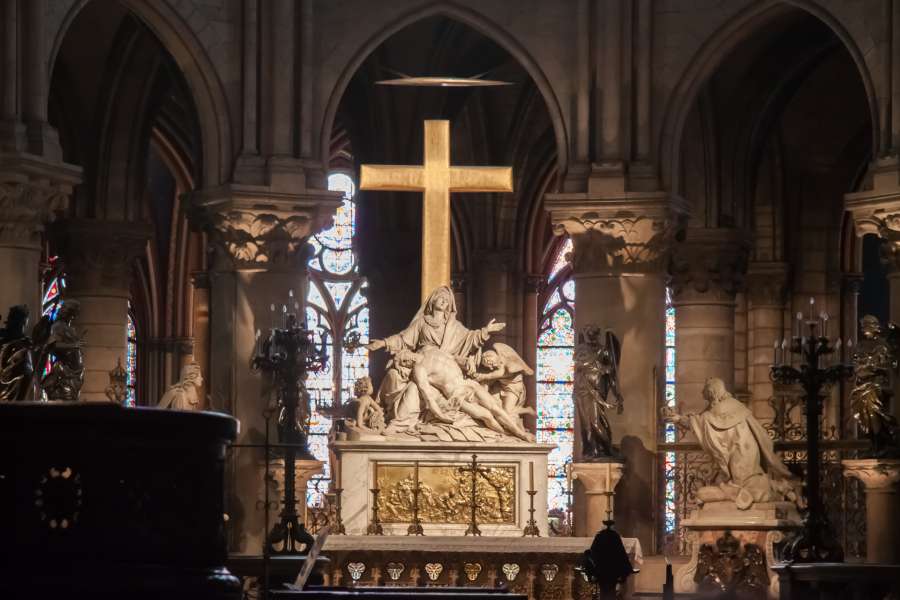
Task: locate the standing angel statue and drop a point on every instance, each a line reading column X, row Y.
column 596, row 377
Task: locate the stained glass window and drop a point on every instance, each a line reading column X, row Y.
column 130, row 360
column 669, row 432
column 336, row 308
column 52, row 300
column 555, row 372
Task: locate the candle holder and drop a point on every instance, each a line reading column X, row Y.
column 531, row 529
column 287, row 355
column 814, row 542
column 475, row 470
column 415, row 528
column 375, row 527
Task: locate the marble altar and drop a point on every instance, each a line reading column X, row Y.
column 512, row 468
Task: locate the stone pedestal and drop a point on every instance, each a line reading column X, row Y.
column 444, row 497
column 763, row 525
column 596, row 482
column 880, row 478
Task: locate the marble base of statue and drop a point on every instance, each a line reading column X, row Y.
column 723, row 535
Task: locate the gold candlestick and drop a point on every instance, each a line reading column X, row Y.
column 415, row 528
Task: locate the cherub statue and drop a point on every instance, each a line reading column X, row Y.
column 596, row 375
column 183, row 394
column 876, row 361
column 740, row 447
column 16, row 368
column 62, row 341
column 369, row 414
column 504, row 377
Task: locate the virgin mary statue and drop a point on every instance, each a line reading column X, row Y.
column 433, row 327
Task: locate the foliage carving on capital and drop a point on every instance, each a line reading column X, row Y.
column 617, row 244
column 25, row 208
column 709, row 264
column 250, row 239
column 875, row 474
column 889, row 232
column 99, row 254
column 767, row 284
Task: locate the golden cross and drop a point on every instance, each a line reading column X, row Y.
column 437, row 179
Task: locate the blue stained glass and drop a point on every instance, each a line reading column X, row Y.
column 560, row 262
column 334, row 308
column 338, row 290
column 669, row 431
column 314, row 297
column 560, row 330
column 555, row 373
column 130, row 361
column 554, row 299
column 555, row 364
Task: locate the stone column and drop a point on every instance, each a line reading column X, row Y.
column 766, row 289
column 880, row 478
column 98, row 256
column 705, row 272
column 258, row 241
column 619, row 250
column 531, row 314
column 596, row 482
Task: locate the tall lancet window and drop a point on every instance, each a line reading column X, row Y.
column 670, row 473
column 336, row 308
column 555, row 376
column 130, row 360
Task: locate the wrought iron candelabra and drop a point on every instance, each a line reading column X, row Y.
column 814, row 542
column 475, row 470
column 288, row 354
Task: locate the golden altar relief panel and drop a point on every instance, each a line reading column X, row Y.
column 445, row 494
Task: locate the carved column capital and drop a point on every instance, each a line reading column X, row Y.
column 874, row 473
column 33, row 192
column 98, row 254
column 709, row 262
column 631, row 233
column 535, row 283
column 252, row 227
column 767, row 283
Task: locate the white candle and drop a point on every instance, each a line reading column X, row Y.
column 775, row 353
column 530, row 476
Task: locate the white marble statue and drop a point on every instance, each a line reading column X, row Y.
column 431, row 389
column 183, row 394
column 728, row 431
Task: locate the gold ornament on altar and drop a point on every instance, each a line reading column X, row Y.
column 436, row 179
column 433, row 570
column 510, row 570
column 472, row 570
column 395, row 569
column 549, row 571
column 356, row 569
column 444, row 494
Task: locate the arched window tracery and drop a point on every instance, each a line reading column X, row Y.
column 336, row 309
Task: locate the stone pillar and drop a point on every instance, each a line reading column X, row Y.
column 596, row 482
column 766, row 289
column 705, row 271
column 619, row 251
column 258, row 253
column 97, row 256
column 531, row 314
column 880, row 478
column 32, row 192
